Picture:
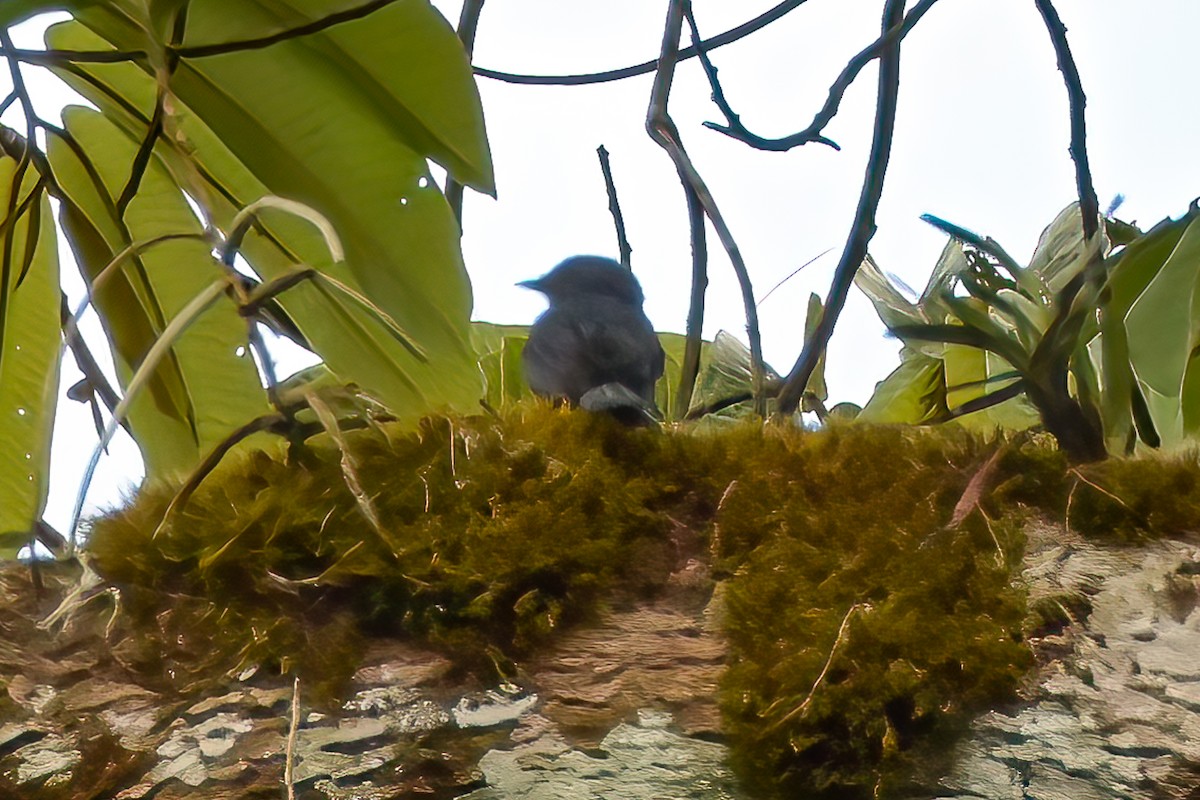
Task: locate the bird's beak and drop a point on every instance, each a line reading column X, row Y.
column 532, row 283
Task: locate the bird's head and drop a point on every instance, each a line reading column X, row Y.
column 588, row 276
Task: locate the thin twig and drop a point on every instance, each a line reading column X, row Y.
column 164, row 70
column 58, row 58
column 662, row 130
column 275, row 423
column 863, row 227
column 646, row 67
column 734, row 128
column 792, row 274
column 614, row 208
column 468, row 22
column 690, row 369
column 141, row 159
column 802, row 709
column 289, row 768
column 1052, row 357
column 1080, row 476
column 86, row 361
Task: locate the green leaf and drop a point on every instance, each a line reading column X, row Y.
column 891, row 306
column 1135, row 266
column 403, row 61
column 29, row 360
column 499, row 350
column 1060, row 253
column 816, row 382
column 914, row 393
column 236, row 116
column 211, row 386
column 1164, row 335
column 15, row 11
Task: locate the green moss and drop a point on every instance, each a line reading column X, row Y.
column 1130, row 499
column 864, row 632
column 506, row 533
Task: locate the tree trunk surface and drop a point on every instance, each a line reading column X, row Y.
column 625, row 707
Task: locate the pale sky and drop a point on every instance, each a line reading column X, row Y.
column 981, row 140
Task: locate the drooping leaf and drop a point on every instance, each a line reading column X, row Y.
column 207, row 386
column 28, row 367
column 404, row 61
column 343, row 160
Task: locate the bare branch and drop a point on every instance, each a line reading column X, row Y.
column 614, row 208
column 1089, row 204
column 863, row 227
column 812, row 133
column 87, row 362
column 690, row 369
column 468, row 22
column 646, row 67
column 662, row 130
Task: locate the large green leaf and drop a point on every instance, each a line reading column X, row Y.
column 212, row 382
column 1128, row 278
column 404, row 62
column 1163, row 326
column 15, row 11
column 319, row 142
column 29, row 356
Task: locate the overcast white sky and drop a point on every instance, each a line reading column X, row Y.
column 981, row 140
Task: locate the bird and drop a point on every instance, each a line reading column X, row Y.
column 594, row 346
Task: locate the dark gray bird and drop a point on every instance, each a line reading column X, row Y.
column 594, row 345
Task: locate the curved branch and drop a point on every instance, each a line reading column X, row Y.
column 1089, row 204
column 646, row 67
column 812, row 133
column 662, row 130
column 863, row 227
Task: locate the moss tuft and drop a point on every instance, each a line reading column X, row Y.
column 865, row 633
